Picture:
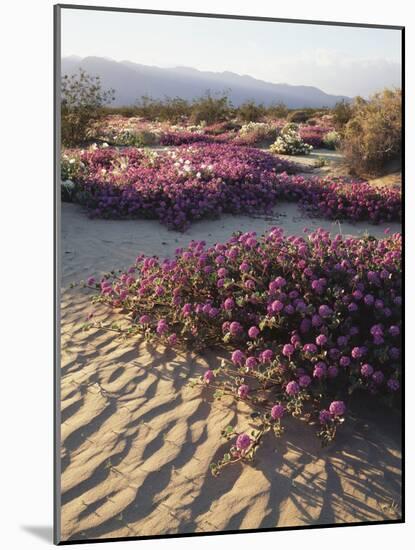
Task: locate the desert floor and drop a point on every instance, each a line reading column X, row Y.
column 137, row 441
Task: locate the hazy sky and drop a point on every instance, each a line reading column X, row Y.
column 339, row 60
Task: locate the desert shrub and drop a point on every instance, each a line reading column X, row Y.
column 169, row 109
column 211, row 109
column 298, row 116
column 304, row 322
column 147, row 138
column 126, row 131
column 332, row 140
column 259, row 131
column 250, row 111
column 129, row 138
column 124, row 111
column 373, row 135
column 342, row 113
column 82, row 99
column 289, row 142
column 141, row 138
column 175, row 110
column 277, row 110
column 148, row 108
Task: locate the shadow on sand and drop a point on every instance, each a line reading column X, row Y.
column 138, row 443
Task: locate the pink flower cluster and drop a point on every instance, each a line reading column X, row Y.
column 179, row 186
column 313, row 135
column 315, row 316
column 204, row 180
column 185, row 138
column 337, row 198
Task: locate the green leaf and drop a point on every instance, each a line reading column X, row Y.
column 262, row 324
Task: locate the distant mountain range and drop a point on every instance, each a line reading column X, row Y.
column 132, row 80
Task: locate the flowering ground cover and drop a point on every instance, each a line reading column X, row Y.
column 339, row 199
column 135, row 131
column 176, row 187
column 304, row 322
column 314, row 135
column 187, row 137
column 204, row 180
column 289, row 142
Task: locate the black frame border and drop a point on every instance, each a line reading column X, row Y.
column 57, row 272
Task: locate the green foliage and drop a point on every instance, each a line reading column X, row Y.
column 342, row 112
column 172, row 109
column 207, row 108
column 125, row 111
column 211, row 109
column 298, row 116
column 373, row 135
column 251, row 111
column 141, row 138
column 82, row 101
column 259, row 131
column 332, row 140
column 277, row 110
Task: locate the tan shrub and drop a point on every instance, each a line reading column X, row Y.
column 298, row 116
column 373, row 135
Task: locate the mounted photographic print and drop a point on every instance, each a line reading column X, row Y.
column 229, row 291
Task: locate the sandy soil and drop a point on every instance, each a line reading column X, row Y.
column 326, row 162
column 90, row 247
column 137, row 442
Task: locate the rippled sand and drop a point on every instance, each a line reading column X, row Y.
column 137, row 442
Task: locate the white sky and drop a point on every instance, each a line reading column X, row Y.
column 339, row 60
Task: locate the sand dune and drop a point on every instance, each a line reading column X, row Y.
column 137, row 441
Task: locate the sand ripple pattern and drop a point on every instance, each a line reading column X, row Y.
column 137, row 441
column 137, row 444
